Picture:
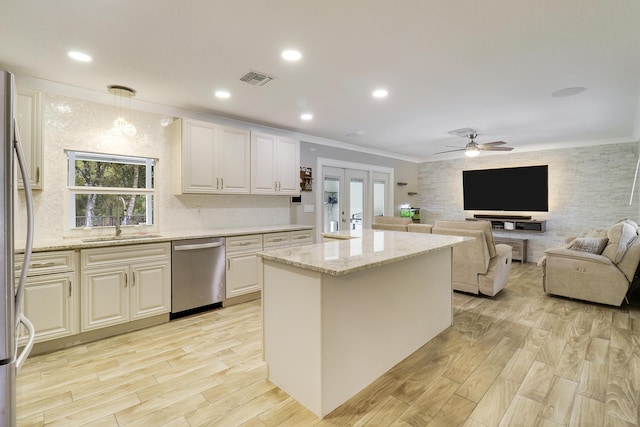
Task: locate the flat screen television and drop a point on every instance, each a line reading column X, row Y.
column 522, row 189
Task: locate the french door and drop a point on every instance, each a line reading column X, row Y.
column 345, row 199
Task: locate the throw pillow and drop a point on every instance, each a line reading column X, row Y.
column 592, row 245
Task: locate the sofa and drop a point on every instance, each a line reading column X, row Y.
column 394, row 223
column 479, row 266
column 598, row 266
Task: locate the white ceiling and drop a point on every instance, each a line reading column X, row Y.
column 490, row 65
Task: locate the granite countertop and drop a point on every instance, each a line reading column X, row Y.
column 86, row 242
column 359, row 250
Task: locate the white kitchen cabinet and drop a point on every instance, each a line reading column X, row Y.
column 242, row 264
column 275, row 165
column 29, row 118
column 125, row 283
column 51, row 296
column 210, row 158
column 301, row 237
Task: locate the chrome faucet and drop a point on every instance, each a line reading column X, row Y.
column 118, row 218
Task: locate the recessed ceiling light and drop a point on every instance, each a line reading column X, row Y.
column 79, row 56
column 380, row 93
column 568, row 91
column 222, row 94
column 306, row 116
column 291, row 55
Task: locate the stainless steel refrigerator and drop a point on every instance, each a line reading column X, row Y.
column 12, row 291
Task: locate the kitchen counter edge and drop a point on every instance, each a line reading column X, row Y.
column 80, row 243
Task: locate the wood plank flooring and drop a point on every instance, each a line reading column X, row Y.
column 521, row 358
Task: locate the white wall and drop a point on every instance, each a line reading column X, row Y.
column 589, row 187
column 70, row 123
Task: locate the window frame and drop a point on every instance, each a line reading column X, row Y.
column 149, row 190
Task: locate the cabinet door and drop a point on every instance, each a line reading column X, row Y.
column 263, row 164
column 242, row 273
column 105, row 297
column 233, row 159
column 49, row 304
column 288, row 155
column 29, row 118
column 150, row 289
column 198, row 154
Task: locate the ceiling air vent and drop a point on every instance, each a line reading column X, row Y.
column 256, row 79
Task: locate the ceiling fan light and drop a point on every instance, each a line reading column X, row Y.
column 471, row 152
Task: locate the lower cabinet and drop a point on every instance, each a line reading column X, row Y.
column 120, row 286
column 51, row 297
column 242, row 264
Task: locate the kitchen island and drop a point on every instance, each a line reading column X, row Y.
column 337, row 315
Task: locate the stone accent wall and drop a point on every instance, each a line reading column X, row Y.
column 589, row 187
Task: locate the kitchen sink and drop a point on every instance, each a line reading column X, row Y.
column 120, row 238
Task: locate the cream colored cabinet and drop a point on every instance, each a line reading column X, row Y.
column 301, row 238
column 277, row 240
column 125, row 283
column 242, row 264
column 51, row 295
column 209, row 158
column 275, row 165
column 29, row 118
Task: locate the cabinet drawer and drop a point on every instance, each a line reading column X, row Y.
column 98, row 257
column 244, row 243
column 47, row 262
column 303, row 237
column 276, row 240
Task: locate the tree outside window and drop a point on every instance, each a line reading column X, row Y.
column 106, row 190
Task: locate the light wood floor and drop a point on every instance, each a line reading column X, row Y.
column 520, row 359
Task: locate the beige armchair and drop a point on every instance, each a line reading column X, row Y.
column 393, row 223
column 479, row 266
column 594, row 268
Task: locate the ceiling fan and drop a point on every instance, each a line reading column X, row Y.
column 472, row 149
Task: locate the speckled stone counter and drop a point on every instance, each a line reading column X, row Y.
column 337, row 315
column 130, row 237
column 351, row 251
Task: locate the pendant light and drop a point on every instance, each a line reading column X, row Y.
column 120, row 124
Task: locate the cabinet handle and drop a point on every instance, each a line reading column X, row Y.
column 275, row 185
column 228, row 264
column 126, row 279
column 38, row 174
column 133, row 278
column 301, row 237
column 42, row 264
column 217, row 183
column 69, row 283
column 245, row 243
column 279, row 185
column 221, row 183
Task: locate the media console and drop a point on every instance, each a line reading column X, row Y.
column 512, row 223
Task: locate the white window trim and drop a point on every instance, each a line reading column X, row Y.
column 73, row 189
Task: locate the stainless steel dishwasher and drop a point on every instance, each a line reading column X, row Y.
column 197, row 275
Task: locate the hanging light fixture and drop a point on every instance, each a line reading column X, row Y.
column 120, row 124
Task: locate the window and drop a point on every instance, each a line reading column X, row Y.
column 106, row 190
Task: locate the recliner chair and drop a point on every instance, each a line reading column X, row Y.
column 480, row 266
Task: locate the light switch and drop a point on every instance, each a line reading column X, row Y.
column 308, row 208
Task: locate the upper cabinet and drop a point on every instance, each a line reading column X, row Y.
column 275, row 165
column 29, row 118
column 210, row 158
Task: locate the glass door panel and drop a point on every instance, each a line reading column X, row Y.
column 332, row 195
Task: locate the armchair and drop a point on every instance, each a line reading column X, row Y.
column 480, row 266
column 584, row 270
